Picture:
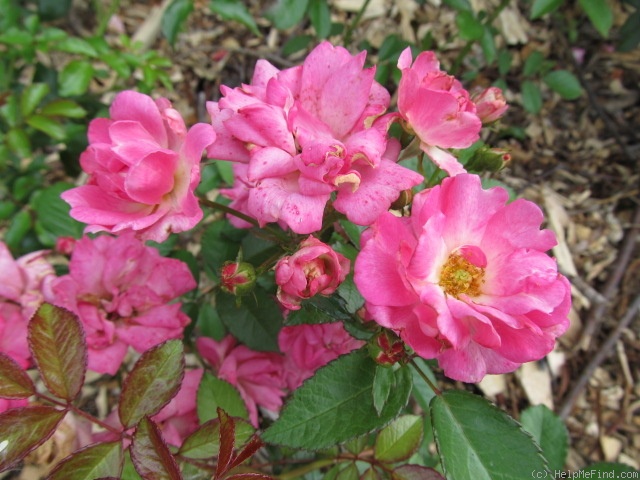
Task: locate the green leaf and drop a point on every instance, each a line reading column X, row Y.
column 75, row 78
column 399, row 440
column 95, row 461
column 57, row 344
column 320, row 17
column 319, row 309
column 460, row 5
column 422, row 392
column 204, row 443
column 31, row 97
column 608, row 470
column 215, row 393
column 542, row 7
column 14, row 36
column 24, row 429
column 478, row 441
column 53, row 9
column 174, row 17
column 600, row 14
column 295, row 44
column 52, row 215
column 10, row 111
column 469, row 26
column 315, row 416
column 19, row 143
column 152, row 383
column 629, row 33
column 220, row 244
column 285, row 14
column 151, row 455
column 47, row 125
column 255, row 322
column 531, row 97
column 564, row 83
column 236, row 11
column 18, row 228
column 117, row 63
column 533, row 63
column 383, row 381
column 77, row 45
column 488, row 44
column 549, row 431
column 14, row 381
column 63, row 108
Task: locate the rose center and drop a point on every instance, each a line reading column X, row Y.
column 459, row 276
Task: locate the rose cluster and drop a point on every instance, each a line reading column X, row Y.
column 460, row 275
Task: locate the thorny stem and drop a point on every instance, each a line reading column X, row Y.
column 82, row 413
column 457, row 63
column 435, row 389
column 354, row 24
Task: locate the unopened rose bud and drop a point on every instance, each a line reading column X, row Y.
column 488, row 159
column 65, row 245
column 237, row 278
column 386, row 348
column 490, row 104
column 403, row 200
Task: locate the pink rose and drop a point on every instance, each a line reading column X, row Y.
column 306, row 348
column 304, row 134
column 436, row 107
column 123, row 292
column 490, row 104
column 256, row 375
column 143, row 169
column 466, row 279
column 23, row 284
column 315, row 269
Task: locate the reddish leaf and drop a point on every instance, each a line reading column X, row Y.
column 252, row 447
column 23, row 430
column 249, row 476
column 102, row 460
column 415, row 472
column 227, row 442
column 57, row 344
column 14, row 381
column 150, row 454
column 153, row 382
column 205, row 441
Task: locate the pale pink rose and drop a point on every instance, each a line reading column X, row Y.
column 466, row 279
column 306, row 348
column 436, row 107
column 176, row 420
column 123, row 292
column 23, row 285
column 7, row 404
column 143, row 169
column 304, row 134
column 314, row 269
column 256, row 375
column 490, row 104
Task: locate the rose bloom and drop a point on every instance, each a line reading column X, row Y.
column 143, row 169
column 490, row 104
column 23, row 284
column 435, row 107
column 256, row 375
column 123, row 292
column 315, row 269
column 306, row 348
column 466, row 279
column 304, row 134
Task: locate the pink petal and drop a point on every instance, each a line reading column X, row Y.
column 152, row 177
column 130, row 105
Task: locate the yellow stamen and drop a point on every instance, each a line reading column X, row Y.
column 459, row 276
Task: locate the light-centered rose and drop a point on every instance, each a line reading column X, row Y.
column 143, row 168
column 124, row 294
column 314, row 269
column 436, row 107
column 465, row 279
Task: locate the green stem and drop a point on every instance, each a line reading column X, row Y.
column 457, row 63
column 104, row 17
column 354, row 24
column 435, row 389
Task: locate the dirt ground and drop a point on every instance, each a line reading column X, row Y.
column 577, row 159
